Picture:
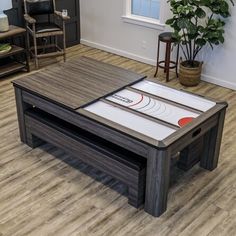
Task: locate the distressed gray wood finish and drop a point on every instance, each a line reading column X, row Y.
column 212, row 141
column 63, row 91
column 77, row 82
column 42, row 195
column 21, row 108
column 87, row 124
column 191, row 155
column 157, row 184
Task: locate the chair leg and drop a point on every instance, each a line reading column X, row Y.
column 56, row 41
column 64, row 42
column 28, row 41
column 35, row 53
column 64, row 48
column 27, row 44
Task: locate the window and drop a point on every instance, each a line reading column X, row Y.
column 146, row 8
column 147, row 13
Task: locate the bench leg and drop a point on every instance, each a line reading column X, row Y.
column 32, row 140
column 137, row 191
column 212, row 141
column 190, row 155
column 134, row 197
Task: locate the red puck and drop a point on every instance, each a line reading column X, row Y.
column 184, row 121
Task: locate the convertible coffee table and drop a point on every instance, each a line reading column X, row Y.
column 146, row 118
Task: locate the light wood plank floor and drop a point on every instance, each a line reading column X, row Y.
column 40, row 194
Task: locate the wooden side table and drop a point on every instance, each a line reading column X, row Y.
column 17, row 58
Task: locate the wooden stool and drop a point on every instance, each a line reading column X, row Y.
column 168, row 39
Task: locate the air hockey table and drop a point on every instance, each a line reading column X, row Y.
column 145, row 117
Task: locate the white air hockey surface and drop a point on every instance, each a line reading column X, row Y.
column 170, row 106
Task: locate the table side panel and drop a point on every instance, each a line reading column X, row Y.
column 195, row 133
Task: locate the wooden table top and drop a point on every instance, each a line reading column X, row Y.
column 77, row 82
column 82, row 84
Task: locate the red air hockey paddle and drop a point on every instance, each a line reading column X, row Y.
column 184, row 121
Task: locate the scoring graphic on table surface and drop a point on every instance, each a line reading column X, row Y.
column 181, row 97
column 153, row 107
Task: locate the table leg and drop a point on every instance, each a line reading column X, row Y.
column 157, row 181
column 212, row 141
column 21, row 107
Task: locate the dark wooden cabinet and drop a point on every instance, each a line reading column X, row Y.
column 15, row 16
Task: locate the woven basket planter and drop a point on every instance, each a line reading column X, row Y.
column 190, row 76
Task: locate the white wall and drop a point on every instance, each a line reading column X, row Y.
column 103, row 28
column 220, row 63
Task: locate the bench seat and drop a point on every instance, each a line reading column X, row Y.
column 115, row 161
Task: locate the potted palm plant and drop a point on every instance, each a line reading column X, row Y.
column 196, row 23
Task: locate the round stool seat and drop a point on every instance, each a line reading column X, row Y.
column 166, row 37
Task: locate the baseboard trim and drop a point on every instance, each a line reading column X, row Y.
column 218, row 81
column 149, row 61
column 118, row 52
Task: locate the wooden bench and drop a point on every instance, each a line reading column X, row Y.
column 115, row 161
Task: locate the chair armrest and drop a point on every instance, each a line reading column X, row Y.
column 29, row 19
column 58, row 13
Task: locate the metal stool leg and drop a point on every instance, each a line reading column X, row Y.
column 158, row 51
